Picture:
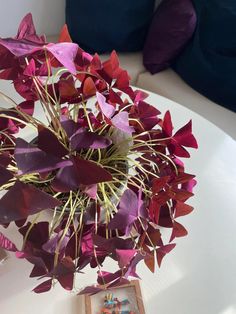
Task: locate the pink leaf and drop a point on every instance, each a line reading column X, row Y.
column 124, row 257
column 65, row 53
column 6, row 244
column 107, row 109
column 121, row 122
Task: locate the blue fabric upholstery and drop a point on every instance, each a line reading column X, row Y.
column 103, row 25
column 208, row 63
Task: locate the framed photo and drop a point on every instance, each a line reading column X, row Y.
column 125, row 299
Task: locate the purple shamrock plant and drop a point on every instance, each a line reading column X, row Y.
column 104, row 164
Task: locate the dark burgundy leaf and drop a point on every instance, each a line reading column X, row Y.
column 30, row 200
column 82, row 172
column 49, row 143
column 182, row 209
column 37, row 272
column 84, row 139
column 149, row 260
column 178, row 231
column 162, row 251
column 5, row 159
column 38, row 234
column 5, row 175
column 43, row 287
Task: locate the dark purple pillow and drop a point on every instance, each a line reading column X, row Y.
column 173, row 24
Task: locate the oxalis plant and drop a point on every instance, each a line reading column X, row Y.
column 97, row 174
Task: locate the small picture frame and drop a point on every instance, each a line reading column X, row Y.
column 129, row 295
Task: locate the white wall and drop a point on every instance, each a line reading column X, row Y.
column 48, row 15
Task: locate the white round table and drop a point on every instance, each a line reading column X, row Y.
column 199, row 276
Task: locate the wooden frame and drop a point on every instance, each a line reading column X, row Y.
column 137, row 290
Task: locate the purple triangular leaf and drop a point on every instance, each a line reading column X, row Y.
column 5, row 175
column 30, row 200
column 49, row 143
column 65, row 53
column 121, row 121
column 53, row 243
column 31, row 159
column 127, row 213
column 43, row 287
column 84, row 139
column 27, row 30
column 124, row 257
column 69, row 126
column 82, row 172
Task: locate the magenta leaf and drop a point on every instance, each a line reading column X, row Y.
column 185, row 137
column 121, row 122
column 167, row 124
column 22, row 47
column 27, row 30
column 6, row 244
column 125, row 256
column 30, row 159
column 30, row 200
column 65, row 53
column 147, row 115
column 84, row 139
column 131, row 271
column 107, row 277
column 30, row 69
column 107, row 109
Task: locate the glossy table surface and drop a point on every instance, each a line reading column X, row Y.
column 199, row 276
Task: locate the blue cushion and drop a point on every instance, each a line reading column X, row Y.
column 103, row 25
column 208, row 63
